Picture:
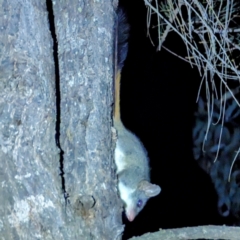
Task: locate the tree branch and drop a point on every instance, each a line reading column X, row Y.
column 203, row 232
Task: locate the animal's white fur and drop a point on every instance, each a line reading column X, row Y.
column 125, row 193
column 119, row 156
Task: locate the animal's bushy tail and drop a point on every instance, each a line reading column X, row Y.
column 121, row 49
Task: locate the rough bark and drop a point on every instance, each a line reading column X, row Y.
column 201, row 232
column 32, row 201
column 84, row 32
column 30, row 187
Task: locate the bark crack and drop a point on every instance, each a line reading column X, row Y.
column 58, row 94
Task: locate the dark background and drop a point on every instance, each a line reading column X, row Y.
column 158, row 100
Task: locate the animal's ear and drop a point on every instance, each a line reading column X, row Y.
column 151, row 190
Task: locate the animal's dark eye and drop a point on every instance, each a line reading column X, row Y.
column 139, row 203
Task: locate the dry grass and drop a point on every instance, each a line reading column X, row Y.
column 209, row 29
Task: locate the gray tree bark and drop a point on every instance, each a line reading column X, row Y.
column 32, row 203
column 85, row 31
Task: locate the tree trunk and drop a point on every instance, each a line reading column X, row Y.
column 84, row 33
column 65, row 190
